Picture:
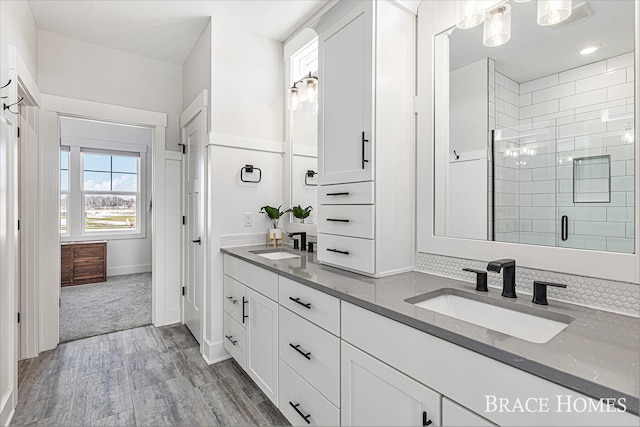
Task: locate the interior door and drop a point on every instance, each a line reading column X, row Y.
column 194, row 250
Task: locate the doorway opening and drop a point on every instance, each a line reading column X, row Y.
column 104, row 227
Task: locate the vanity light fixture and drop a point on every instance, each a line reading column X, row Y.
column 589, row 49
column 552, row 12
column 469, row 13
column 497, row 26
column 308, row 93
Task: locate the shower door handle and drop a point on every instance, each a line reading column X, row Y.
column 564, row 223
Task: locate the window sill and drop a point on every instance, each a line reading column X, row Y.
column 103, row 236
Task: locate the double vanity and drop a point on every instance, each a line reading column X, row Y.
column 330, row 347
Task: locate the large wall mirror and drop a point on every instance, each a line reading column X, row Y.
column 302, row 111
column 538, row 145
column 532, row 141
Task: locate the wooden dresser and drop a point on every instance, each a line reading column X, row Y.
column 83, row 262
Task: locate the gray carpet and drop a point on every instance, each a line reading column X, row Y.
column 122, row 302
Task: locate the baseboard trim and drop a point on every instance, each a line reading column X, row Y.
column 11, row 415
column 214, row 353
column 129, row 269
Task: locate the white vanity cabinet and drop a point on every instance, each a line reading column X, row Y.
column 454, row 415
column 251, row 322
column 366, row 140
column 375, row 394
column 309, row 329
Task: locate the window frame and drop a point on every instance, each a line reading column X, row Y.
column 76, row 210
column 67, row 149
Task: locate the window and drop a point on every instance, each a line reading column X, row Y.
column 102, row 192
column 64, row 188
column 110, row 191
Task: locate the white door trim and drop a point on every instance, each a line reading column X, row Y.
column 53, row 106
column 199, row 106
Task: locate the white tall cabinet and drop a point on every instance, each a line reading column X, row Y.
column 366, row 141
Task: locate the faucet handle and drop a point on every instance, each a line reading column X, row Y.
column 481, row 279
column 540, row 291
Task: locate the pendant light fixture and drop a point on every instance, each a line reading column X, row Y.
column 552, row 12
column 497, row 26
column 469, row 13
column 308, row 92
column 295, row 103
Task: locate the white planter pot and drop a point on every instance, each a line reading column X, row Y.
column 275, row 233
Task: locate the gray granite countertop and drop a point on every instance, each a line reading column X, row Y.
column 598, row 354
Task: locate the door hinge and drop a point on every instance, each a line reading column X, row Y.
column 59, row 302
column 18, row 131
column 184, row 220
column 415, row 104
column 183, row 290
column 18, row 317
column 18, row 225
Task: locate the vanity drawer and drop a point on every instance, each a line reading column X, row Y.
column 315, row 409
column 348, row 252
column 312, row 352
column 359, row 193
column 235, row 340
column 347, row 220
column 234, row 299
column 318, row 307
column 256, row 278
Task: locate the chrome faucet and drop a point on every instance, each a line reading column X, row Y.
column 508, row 276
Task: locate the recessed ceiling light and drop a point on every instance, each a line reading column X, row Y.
column 589, row 49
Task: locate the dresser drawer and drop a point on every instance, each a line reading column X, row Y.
column 258, row 279
column 318, row 307
column 235, row 340
column 358, row 193
column 234, row 299
column 314, row 409
column 348, row 252
column 347, row 220
column 312, row 352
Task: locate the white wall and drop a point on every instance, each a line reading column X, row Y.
column 81, row 70
column 18, row 28
column 246, row 88
column 196, row 70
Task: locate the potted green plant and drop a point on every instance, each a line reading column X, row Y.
column 300, row 213
column 274, row 215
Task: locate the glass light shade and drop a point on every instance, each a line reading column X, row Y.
column 311, row 89
column 497, row 26
column 469, row 13
column 551, row 12
column 295, row 103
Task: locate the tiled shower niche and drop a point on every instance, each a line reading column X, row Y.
column 564, row 152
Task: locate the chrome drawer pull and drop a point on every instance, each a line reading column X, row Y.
column 233, row 300
column 297, row 348
column 304, row 304
column 304, row 417
column 337, row 220
column 338, row 252
column 230, row 338
column 338, row 194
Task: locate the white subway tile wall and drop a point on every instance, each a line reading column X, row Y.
column 609, row 295
column 542, row 126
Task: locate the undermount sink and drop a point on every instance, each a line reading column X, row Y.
column 275, row 254
column 522, row 322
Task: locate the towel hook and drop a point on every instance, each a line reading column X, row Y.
column 7, row 107
column 456, row 154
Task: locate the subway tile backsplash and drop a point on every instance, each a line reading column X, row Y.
column 619, row 297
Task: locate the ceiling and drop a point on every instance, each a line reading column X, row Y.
column 535, row 51
column 166, row 30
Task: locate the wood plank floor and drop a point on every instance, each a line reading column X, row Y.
column 146, row 376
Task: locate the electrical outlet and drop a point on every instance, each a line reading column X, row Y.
column 248, row 219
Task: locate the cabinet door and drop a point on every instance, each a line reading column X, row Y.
column 456, row 415
column 262, row 343
column 374, row 394
column 345, row 98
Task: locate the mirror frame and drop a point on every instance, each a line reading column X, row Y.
column 434, row 17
